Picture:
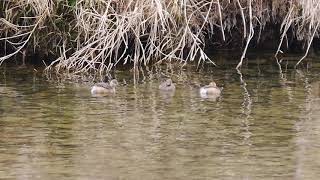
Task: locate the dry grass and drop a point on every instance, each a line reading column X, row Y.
column 98, row 35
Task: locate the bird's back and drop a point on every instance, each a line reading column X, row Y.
column 210, row 90
column 100, row 88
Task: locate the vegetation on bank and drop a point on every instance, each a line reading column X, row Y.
column 98, row 35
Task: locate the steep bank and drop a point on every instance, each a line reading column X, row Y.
column 96, row 36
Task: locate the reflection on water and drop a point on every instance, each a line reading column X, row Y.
column 266, row 125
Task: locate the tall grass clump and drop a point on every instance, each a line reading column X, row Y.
column 117, row 32
column 33, row 25
column 98, row 35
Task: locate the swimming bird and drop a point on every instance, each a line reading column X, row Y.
column 167, row 85
column 210, row 90
column 104, row 88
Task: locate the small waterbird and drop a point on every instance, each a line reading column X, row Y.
column 210, row 90
column 104, row 88
column 167, row 85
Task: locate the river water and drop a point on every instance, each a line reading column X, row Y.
column 266, row 125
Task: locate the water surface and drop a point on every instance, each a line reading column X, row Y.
column 266, row 125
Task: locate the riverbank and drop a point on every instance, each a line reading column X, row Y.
column 97, row 36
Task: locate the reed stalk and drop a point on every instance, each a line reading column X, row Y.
column 99, row 35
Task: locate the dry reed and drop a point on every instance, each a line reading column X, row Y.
column 98, row 35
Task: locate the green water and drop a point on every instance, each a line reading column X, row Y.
column 264, row 126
